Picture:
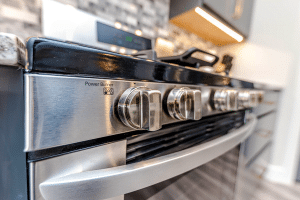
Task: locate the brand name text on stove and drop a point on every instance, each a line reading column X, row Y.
column 98, row 84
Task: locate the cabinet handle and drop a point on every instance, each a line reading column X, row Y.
column 238, row 9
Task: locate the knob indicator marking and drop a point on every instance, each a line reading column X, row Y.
column 140, row 108
column 184, row 103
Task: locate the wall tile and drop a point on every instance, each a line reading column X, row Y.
column 131, row 20
column 148, row 21
column 130, row 7
column 69, row 2
column 148, row 32
column 21, row 17
column 150, row 16
column 13, row 3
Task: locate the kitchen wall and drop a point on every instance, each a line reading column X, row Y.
column 272, row 55
column 23, row 18
column 269, row 52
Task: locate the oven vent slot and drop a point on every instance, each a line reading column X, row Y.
column 174, row 137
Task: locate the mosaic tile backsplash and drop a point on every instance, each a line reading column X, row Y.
column 23, row 18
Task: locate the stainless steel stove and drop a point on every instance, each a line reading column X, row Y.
column 100, row 125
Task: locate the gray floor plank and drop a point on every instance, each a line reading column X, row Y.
column 273, row 191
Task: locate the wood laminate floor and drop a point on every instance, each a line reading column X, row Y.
column 272, row 191
column 216, row 180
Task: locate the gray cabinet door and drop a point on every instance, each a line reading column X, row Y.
column 237, row 13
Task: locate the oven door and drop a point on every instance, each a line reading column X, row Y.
column 130, row 178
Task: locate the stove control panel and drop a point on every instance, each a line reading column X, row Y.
column 101, row 107
column 184, row 103
column 140, row 108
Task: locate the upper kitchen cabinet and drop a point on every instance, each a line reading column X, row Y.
column 236, row 12
column 219, row 21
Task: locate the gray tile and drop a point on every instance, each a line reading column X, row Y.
column 151, row 16
column 12, row 3
column 69, row 2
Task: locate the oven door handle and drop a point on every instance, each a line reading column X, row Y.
column 111, row 182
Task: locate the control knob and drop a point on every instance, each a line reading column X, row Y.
column 226, row 100
column 140, row 108
column 250, row 98
column 253, row 98
column 261, row 95
column 244, row 99
column 184, row 103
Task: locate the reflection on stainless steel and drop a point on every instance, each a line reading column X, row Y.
column 214, row 180
column 107, row 183
column 101, row 157
column 261, row 136
column 250, row 98
column 232, row 100
column 226, row 100
column 184, row 103
column 140, row 108
column 244, row 99
column 264, row 133
column 253, row 98
column 220, row 99
column 260, row 96
column 250, row 176
column 31, row 180
column 62, row 110
column 108, row 64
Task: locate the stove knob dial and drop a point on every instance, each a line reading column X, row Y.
column 184, row 103
column 140, row 108
column 261, row 95
column 254, row 98
column 244, row 99
column 226, row 100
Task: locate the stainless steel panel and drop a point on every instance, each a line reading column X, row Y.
column 214, row 180
column 96, row 158
column 120, row 180
column 250, row 176
column 268, row 104
column 62, row 110
column 121, row 197
column 31, row 180
column 262, row 134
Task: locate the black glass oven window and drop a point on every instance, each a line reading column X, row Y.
column 111, row 35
